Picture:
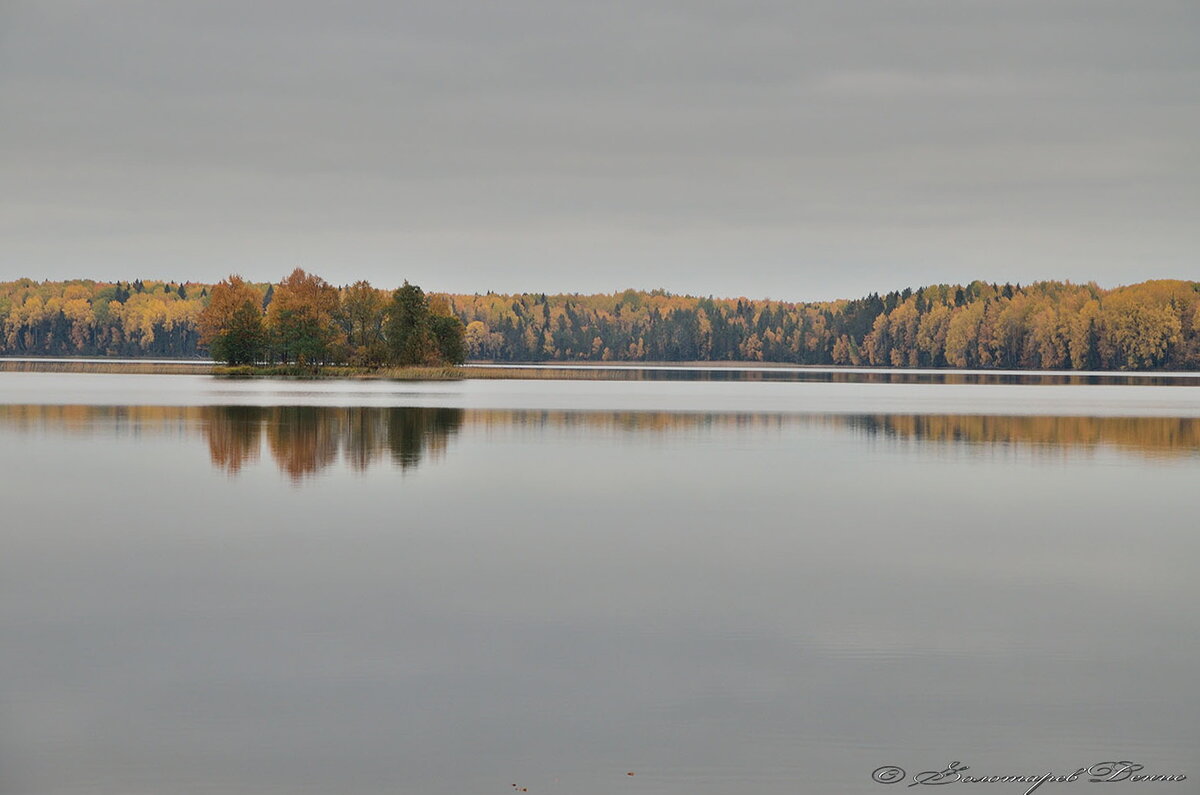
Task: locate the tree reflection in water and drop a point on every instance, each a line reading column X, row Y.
column 306, row 440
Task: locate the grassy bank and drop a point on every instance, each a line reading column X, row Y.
column 382, row 373
column 548, row 372
column 544, row 372
column 181, row 367
column 184, row 367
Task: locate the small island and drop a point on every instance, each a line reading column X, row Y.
column 306, row 325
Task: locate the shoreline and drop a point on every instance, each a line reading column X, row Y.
column 568, row 371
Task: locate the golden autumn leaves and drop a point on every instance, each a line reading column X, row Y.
column 305, row 320
column 309, row 322
column 1046, row 325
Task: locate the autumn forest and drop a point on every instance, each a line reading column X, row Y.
column 304, row 319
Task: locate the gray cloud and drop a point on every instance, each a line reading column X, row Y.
column 797, row 150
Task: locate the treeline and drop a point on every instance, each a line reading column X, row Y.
column 1046, row 325
column 300, row 320
column 89, row 318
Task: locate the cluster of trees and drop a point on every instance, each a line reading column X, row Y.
column 307, row 321
column 1046, row 325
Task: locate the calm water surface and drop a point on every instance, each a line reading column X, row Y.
column 215, row 586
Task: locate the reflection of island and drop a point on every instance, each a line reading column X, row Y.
column 302, row 440
column 306, row 440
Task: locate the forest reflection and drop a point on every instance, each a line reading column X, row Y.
column 301, row 440
column 306, row 440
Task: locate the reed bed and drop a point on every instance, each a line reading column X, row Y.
column 88, row 366
column 335, row 371
column 552, row 373
column 293, row 371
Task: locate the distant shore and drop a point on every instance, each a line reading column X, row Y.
column 203, row 367
column 599, row 371
column 580, row 371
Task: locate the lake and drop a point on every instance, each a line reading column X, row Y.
column 718, row 585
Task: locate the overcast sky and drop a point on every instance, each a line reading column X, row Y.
column 789, row 149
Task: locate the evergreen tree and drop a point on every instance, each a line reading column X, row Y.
column 450, row 334
column 409, row 336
